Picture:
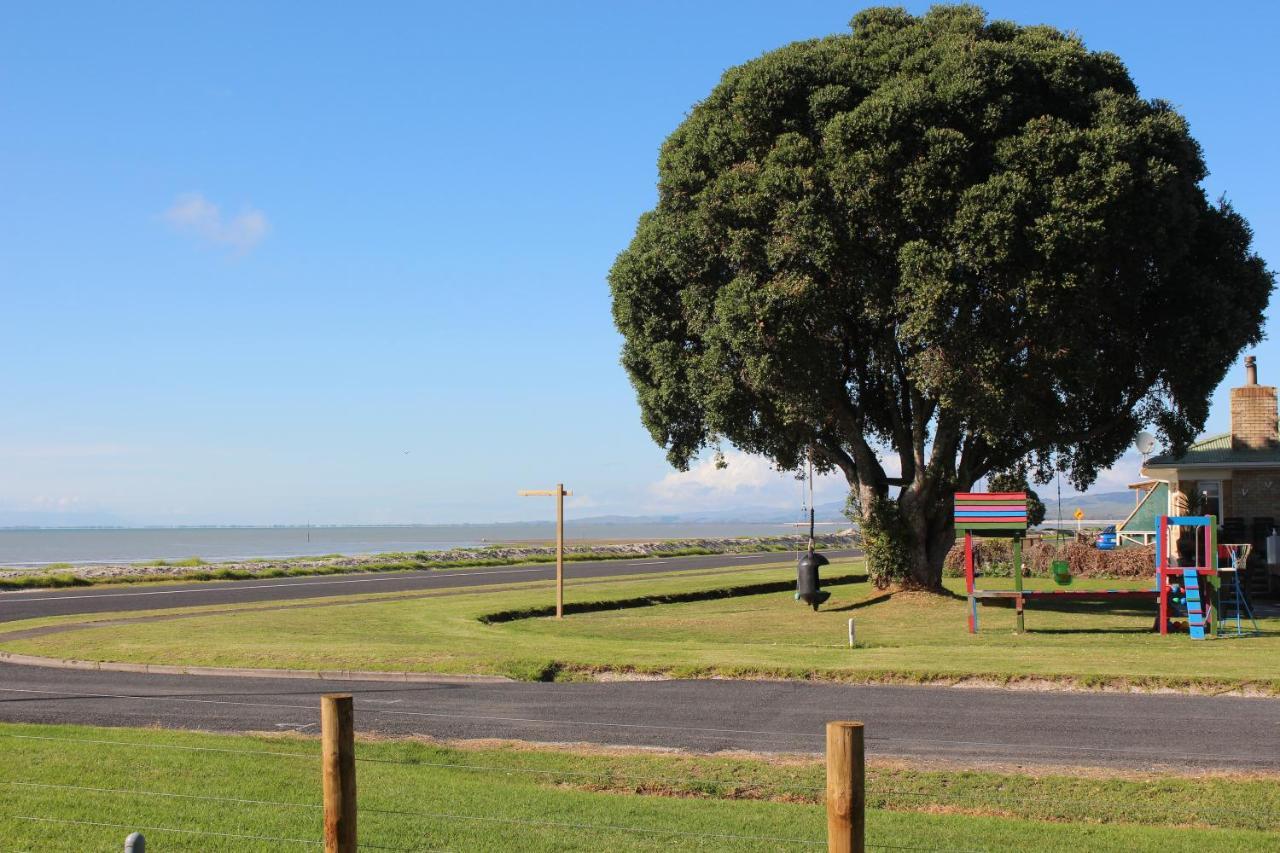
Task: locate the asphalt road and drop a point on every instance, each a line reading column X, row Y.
column 972, row 727
column 59, row 602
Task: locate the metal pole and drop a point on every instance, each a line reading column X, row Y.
column 846, row 789
column 559, row 550
column 1017, row 578
column 338, row 766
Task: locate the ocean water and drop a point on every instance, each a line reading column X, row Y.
column 37, row 547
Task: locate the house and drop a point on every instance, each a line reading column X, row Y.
column 1152, row 502
column 1234, row 476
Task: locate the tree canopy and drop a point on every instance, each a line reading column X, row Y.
column 926, row 250
column 1015, row 480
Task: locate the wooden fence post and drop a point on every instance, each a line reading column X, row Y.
column 846, row 788
column 338, row 766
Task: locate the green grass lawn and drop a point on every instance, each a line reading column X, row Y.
column 705, row 626
column 70, row 788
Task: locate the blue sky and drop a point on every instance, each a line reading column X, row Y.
column 250, row 256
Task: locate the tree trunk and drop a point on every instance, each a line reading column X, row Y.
column 932, row 526
column 907, row 539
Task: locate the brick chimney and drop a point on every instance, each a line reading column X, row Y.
column 1253, row 412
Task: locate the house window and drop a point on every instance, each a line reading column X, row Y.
column 1210, row 494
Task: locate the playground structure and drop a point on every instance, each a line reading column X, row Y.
column 1005, row 514
column 1198, row 587
column 1195, row 588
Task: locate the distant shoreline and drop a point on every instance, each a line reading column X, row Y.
column 487, row 555
column 68, row 548
column 594, row 522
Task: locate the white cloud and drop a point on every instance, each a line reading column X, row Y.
column 745, row 480
column 742, row 473
column 1128, row 469
column 194, row 214
column 58, row 504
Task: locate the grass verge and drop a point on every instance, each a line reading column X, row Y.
column 81, row 788
column 730, row 623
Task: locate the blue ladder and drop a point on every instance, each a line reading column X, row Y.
column 1195, row 607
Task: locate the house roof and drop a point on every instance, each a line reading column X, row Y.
column 1216, row 451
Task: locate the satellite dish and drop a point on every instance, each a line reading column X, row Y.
column 1145, row 442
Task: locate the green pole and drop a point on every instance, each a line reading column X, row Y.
column 1017, row 578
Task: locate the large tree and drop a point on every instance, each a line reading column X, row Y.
column 930, row 249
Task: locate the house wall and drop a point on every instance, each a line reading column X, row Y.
column 1256, row 494
column 1186, row 488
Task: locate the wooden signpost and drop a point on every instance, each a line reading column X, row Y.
column 560, row 494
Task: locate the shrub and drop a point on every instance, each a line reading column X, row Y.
column 993, row 558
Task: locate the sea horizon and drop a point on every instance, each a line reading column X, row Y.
column 34, row 547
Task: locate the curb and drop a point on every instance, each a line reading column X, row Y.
column 243, row 672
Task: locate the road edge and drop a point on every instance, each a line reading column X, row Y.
column 398, row 676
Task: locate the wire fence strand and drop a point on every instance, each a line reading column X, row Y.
column 598, row 827
column 162, row 794
column 797, row 788
column 396, row 812
column 947, row 798
column 173, row 829
column 144, row 745
column 602, row 774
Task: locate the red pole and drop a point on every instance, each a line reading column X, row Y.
column 1162, row 585
column 968, row 562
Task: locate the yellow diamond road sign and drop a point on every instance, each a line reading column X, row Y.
column 1079, row 513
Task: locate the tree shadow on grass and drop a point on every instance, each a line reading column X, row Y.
column 1103, row 608
column 655, row 600
column 858, row 605
column 1134, row 631
column 1095, row 607
column 880, row 598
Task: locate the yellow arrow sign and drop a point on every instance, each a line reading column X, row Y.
column 1079, row 513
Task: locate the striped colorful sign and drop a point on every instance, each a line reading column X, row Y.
column 991, row 511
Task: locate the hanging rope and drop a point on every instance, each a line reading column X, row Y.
column 811, row 507
column 1059, row 531
column 804, row 509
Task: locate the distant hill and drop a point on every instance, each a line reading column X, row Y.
column 832, row 511
column 1105, row 505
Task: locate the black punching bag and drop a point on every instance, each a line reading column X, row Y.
column 807, row 579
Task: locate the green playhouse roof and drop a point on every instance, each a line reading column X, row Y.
column 1216, row 451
